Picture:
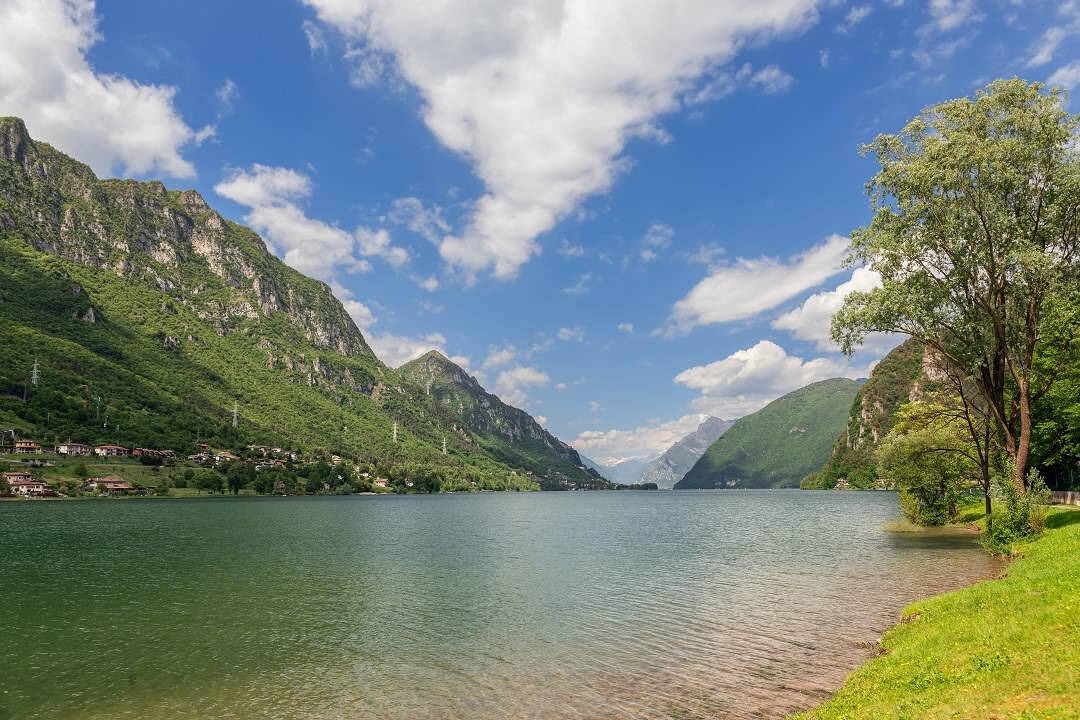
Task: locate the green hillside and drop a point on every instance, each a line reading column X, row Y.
column 504, row 432
column 149, row 316
column 778, row 445
column 899, row 377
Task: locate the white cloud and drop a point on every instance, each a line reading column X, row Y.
column 430, row 283
column 811, row 320
column 309, row 245
column 854, row 16
column 581, row 287
column 1067, row 76
column 626, row 328
column 226, row 97
column 499, row 356
column 594, row 406
column 560, row 386
column 542, row 98
column 109, row 121
column 947, row 15
column 613, row 446
column 315, row 40
column 542, row 419
column 745, row 288
column 747, row 380
column 823, row 58
column 772, row 80
column 511, row 385
column 426, row 222
column 656, row 238
column 575, row 333
column 568, row 250
column 1044, row 50
column 360, row 313
column 396, row 350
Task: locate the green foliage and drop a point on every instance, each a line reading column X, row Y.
column 209, row 480
column 926, row 456
column 976, row 237
column 778, row 445
column 1022, row 516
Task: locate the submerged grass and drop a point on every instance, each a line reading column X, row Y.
column 1005, row 648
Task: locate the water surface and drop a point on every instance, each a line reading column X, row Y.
column 557, row 605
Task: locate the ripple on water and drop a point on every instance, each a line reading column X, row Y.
column 602, row 605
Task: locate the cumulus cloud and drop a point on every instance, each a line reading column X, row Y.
column 107, row 120
column 656, row 239
column 747, row 380
column 542, row 98
column 226, row 97
column 499, row 356
column 614, row 446
column 396, row 350
column 772, row 80
column 315, row 39
column 627, row 328
column 748, row 287
column 272, row 196
column 568, row 250
column 512, row 385
column 811, row 320
column 947, row 15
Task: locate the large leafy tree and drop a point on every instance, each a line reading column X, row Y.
column 975, row 234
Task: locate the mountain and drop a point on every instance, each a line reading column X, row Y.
column 590, row 463
column 626, row 472
column 504, row 432
column 901, row 376
column 670, row 467
column 150, row 317
column 778, row 445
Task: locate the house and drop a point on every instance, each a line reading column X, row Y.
column 112, row 483
column 27, row 447
column 111, row 451
column 17, row 476
column 381, row 482
column 199, row 457
column 30, row 487
column 841, row 484
column 225, row 457
column 70, row 448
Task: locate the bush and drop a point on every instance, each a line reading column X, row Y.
column 1023, row 516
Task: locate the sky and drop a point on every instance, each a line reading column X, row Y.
column 619, row 216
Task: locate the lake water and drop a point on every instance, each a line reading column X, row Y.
column 554, row 605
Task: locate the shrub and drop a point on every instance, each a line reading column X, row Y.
column 1022, row 516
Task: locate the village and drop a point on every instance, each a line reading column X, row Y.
column 29, row 469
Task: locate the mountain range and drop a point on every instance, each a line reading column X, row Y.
column 152, row 320
column 778, row 445
column 670, row 467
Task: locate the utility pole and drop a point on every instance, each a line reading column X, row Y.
column 35, row 373
column 395, row 432
column 235, row 407
column 443, row 444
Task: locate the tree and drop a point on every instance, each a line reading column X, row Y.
column 209, row 480
column 5, row 487
column 927, row 454
column 975, row 236
column 239, row 475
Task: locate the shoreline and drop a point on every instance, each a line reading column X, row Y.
column 997, row 648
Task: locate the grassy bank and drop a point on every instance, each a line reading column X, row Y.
column 1006, row 648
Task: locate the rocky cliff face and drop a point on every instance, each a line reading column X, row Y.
column 670, row 467
column 171, row 240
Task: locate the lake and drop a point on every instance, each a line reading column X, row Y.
column 709, row 604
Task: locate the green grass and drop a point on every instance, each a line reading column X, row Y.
column 1006, row 648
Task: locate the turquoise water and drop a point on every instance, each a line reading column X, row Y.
column 553, row 605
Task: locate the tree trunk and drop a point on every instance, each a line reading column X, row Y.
column 1023, row 446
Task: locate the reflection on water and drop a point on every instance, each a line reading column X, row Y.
column 596, row 605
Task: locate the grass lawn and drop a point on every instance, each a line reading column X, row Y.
column 1007, row 648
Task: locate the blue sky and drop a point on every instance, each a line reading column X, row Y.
column 620, row 216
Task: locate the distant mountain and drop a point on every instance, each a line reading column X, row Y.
column 627, row 471
column 506, row 433
column 901, row 376
column 592, row 464
column 778, row 445
column 670, row 467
